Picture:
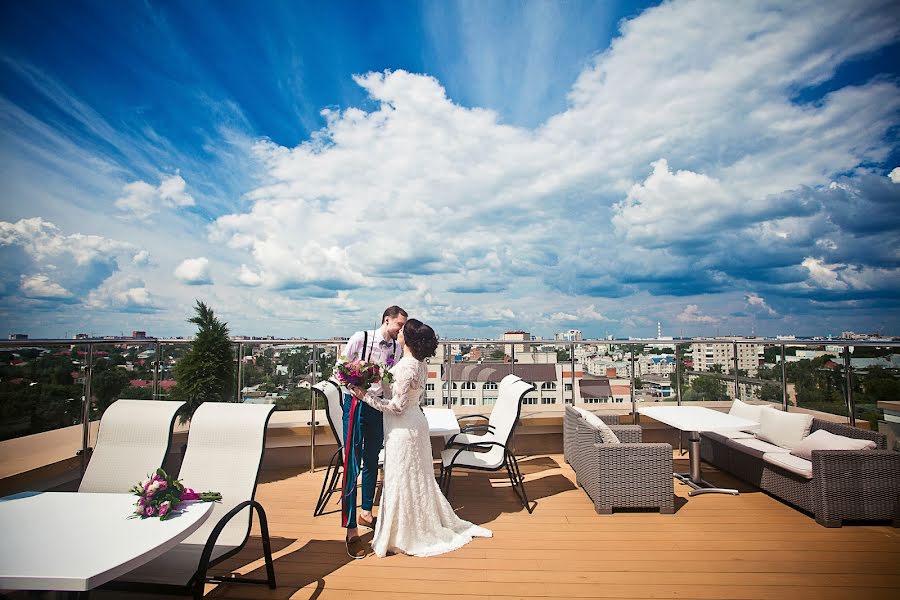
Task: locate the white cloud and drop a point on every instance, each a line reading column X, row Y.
column 824, row 275
column 43, row 240
column 194, row 271
column 895, row 175
column 141, row 258
column 142, row 200
column 40, row 286
column 692, row 314
column 585, row 313
column 758, row 302
column 122, row 292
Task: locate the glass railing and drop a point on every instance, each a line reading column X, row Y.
column 44, row 384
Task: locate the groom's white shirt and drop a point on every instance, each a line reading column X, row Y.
column 381, row 349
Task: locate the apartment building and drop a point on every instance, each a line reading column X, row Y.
column 707, row 355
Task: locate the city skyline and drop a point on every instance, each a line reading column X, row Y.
column 487, row 166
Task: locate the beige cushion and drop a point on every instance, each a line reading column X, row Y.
column 783, row 428
column 606, row 434
column 734, row 434
column 825, row 440
column 789, row 462
column 747, row 411
column 760, row 446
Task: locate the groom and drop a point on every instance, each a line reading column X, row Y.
column 364, row 428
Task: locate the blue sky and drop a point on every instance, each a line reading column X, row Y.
column 487, row 165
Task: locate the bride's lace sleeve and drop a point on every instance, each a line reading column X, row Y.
column 406, row 388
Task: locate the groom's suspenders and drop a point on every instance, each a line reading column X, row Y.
column 366, row 342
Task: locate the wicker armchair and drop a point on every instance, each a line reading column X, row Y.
column 846, row 484
column 631, row 474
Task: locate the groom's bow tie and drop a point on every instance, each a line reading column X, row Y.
column 384, row 343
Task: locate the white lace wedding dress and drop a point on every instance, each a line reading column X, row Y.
column 415, row 517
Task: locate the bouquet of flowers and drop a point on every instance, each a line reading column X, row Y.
column 160, row 496
column 358, row 372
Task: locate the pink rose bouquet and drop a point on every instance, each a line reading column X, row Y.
column 358, row 372
column 160, row 496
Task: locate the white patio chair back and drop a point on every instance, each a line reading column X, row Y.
column 334, row 394
column 224, row 454
column 132, row 443
column 503, row 418
column 506, row 408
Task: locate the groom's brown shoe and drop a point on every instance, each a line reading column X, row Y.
column 370, row 524
column 356, row 548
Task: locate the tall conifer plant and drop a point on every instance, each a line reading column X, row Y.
column 206, row 372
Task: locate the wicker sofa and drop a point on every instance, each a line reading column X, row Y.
column 845, row 484
column 626, row 475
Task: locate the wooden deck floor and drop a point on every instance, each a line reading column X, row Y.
column 714, row 546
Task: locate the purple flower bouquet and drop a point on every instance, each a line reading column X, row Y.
column 160, row 495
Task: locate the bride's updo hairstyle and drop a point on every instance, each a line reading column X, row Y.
column 420, row 338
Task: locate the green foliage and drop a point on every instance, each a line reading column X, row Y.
column 107, row 384
column 770, row 392
column 206, row 372
column 298, row 399
column 562, row 355
column 705, row 387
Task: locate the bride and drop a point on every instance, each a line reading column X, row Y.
column 415, row 516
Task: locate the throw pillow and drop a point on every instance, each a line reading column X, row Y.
column 825, row 440
column 750, row 412
column 783, row 428
column 607, row 435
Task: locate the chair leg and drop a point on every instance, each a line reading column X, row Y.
column 519, row 482
column 328, row 484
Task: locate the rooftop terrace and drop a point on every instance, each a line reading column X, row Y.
column 714, row 546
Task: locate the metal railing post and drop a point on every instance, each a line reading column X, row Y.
column 784, row 393
column 677, row 376
column 512, row 359
column 634, row 413
column 737, row 379
column 156, row 373
column 312, row 421
column 848, row 369
column 240, row 373
column 449, row 395
column 572, row 378
column 86, row 410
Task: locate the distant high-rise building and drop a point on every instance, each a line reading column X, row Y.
column 138, row 335
column 709, row 354
column 18, row 336
column 572, row 335
column 516, row 336
column 81, row 336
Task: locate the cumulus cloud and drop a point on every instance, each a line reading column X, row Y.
column 142, row 200
column 895, row 175
column 692, row 314
column 43, row 240
column 758, row 302
column 40, row 286
column 669, row 160
column 194, row 271
column 124, row 293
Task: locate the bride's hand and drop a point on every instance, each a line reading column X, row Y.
column 357, row 391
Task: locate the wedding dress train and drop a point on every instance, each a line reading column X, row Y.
column 415, row 517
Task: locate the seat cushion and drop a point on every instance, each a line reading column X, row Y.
column 789, row 462
column 733, row 434
column 825, row 440
column 783, row 428
column 756, row 447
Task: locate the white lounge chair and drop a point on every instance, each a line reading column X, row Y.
column 483, row 432
column 132, row 443
column 333, row 394
column 491, row 452
column 224, row 453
